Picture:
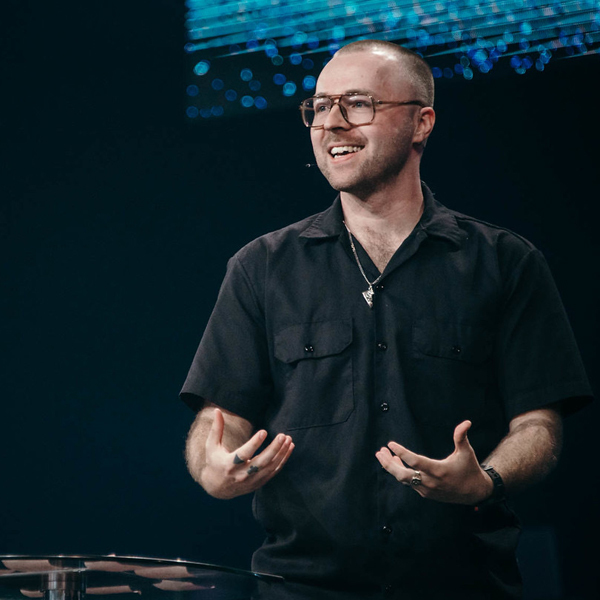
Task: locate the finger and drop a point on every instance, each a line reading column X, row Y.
column 264, row 459
column 248, row 450
column 286, row 456
column 261, row 471
column 416, row 461
column 406, row 476
column 393, row 465
column 271, row 451
column 215, row 435
column 460, row 434
column 268, row 469
column 257, row 479
column 284, row 453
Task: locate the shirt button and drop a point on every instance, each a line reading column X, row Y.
column 456, row 350
column 308, row 348
column 384, row 406
column 379, row 286
column 386, row 530
column 382, row 346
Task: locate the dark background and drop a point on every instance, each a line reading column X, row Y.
column 118, row 216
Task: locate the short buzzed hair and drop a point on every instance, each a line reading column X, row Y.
column 419, row 72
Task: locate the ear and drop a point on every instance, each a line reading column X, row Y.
column 425, row 125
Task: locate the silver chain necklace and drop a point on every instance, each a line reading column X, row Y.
column 369, row 293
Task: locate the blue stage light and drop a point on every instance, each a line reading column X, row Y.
column 309, row 83
column 246, row 75
column 274, row 37
column 217, row 84
column 192, row 90
column 231, row 95
column 192, row 112
column 271, row 50
column 254, row 85
column 202, row 67
column 289, row 88
column 260, row 102
column 247, row 101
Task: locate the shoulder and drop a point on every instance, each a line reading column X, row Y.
column 494, row 235
column 508, row 249
column 285, row 239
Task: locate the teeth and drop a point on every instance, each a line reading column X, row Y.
column 344, row 150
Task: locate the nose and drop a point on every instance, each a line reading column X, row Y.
column 335, row 118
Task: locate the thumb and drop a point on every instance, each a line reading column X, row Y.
column 215, row 435
column 460, row 435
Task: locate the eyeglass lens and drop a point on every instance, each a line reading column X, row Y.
column 357, row 109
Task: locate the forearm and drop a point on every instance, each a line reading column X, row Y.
column 530, row 450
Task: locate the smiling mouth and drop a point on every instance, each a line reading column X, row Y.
column 339, row 151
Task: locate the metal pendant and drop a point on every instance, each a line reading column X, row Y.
column 368, row 295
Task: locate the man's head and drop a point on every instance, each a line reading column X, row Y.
column 410, row 64
column 364, row 158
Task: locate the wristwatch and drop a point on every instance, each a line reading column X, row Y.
column 499, row 491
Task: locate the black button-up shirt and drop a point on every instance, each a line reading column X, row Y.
column 466, row 324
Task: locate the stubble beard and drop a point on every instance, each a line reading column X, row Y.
column 373, row 173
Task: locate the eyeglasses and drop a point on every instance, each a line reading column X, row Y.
column 357, row 109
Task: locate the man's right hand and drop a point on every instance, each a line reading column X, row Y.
column 229, row 474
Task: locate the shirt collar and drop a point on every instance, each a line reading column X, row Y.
column 436, row 221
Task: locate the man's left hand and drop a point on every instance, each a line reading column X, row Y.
column 458, row 478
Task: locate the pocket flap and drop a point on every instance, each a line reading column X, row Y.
column 313, row 340
column 455, row 341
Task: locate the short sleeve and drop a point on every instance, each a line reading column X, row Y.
column 231, row 366
column 538, row 359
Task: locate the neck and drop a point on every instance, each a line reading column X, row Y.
column 391, row 212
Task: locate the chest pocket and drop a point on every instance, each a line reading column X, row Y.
column 454, row 341
column 314, row 380
column 453, row 373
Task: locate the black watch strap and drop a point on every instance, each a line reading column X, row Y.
column 499, row 491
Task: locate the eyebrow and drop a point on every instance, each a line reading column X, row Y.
column 364, row 92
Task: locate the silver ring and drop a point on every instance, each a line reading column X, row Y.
column 252, row 469
column 416, row 479
column 237, row 460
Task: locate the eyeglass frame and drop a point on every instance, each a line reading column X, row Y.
column 335, row 99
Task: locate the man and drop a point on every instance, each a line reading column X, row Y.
column 419, row 358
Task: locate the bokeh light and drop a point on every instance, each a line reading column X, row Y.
column 267, row 45
column 260, row 102
column 289, row 88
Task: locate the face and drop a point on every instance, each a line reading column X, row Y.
column 363, row 159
